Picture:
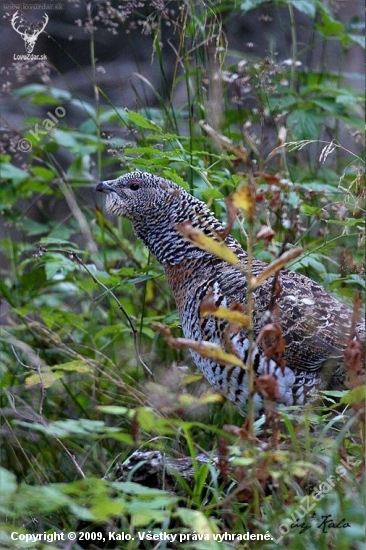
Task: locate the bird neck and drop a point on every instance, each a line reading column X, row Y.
column 160, row 234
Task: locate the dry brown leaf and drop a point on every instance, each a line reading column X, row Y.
column 225, row 143
column 271, row 340
column 275, row 266
column 267, row 385
column 265, row 233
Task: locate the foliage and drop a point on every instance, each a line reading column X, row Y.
column 80, row 296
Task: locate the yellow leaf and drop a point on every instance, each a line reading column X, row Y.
column 356, row 395
column 188, row 400
column 72, row 366
column 44, row 378
column 244, row 199
column 212, row 351
column 198, row 238
column 206, row 349
column 230, row 315
column 199, row 523
column 275, row 266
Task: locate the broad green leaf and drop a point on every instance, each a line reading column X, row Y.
column 328, row 26
column 141, row 121
column 80, row 167
column 105, row 507
column 84, row 106
column 42, row 94
column 39, row 499
column 65, row 139
column 10, row 172
column 142, row 514
column 44, row 174
column 34, row 228
column 304, row 124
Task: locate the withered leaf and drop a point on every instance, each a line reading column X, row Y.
column 275, row 266
column 197, row 237
column 206, row 349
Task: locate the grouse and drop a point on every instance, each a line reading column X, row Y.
column 315, row 326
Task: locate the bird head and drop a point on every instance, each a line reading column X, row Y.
column 156, row 207
column 138, row 195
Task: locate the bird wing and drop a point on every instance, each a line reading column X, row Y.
column 315, row 326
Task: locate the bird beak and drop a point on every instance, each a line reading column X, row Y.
column 104, row 187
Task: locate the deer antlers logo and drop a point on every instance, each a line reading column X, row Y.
column 29, row 33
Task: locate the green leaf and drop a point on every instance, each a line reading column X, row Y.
column 72, row 366
column 80, row 168
column 357, row 39
column 135, row 489
column 64, row 428
column 248, row 5
column 310, row 260
column 114, row 409
column 42, row 94
column 118, row 114
column 66, row 139
column 355, row 279
column 304, row 124
column 54, row 241
column 328, row 26
column 45, row 174
column 10, row 172
column 34, row 228
column 106, row 507
column 333, row 393
column 197, row 521
column 8, row 483
column 57, row 263
column 141, row 121
column 356, row 395
column 38, row 499
column 305, row 6
column 348, row 222
column 84, row 106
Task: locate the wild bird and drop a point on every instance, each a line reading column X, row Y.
column 315, row 326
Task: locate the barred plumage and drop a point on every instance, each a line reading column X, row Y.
column 315, row 326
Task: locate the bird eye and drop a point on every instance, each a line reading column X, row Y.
column 134, row 185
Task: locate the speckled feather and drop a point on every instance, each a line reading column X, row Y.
column 315, row 326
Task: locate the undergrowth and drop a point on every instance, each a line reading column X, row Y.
column 85, row 379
